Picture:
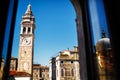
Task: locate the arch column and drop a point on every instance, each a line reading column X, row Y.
column 31, row 29
column 21, row 30
column 86, row 55
column 81, row 40
column 26, row 32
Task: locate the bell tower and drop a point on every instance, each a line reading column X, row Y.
column 26, row 44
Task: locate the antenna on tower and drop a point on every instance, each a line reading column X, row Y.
column 103, row 33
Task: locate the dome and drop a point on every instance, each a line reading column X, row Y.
column 103, row 44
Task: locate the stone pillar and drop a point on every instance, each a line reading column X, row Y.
column 31, row 30
column 81, row 39
column 81, row 48
column 26, row 30
column 77, row 68
column 21, row 30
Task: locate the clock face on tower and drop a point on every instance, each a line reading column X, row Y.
column 26, row 41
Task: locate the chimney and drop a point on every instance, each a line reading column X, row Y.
column 75, row 48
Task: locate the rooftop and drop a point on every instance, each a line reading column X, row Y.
column 19, row 74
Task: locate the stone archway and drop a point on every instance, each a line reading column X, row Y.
column 87, row 63
column 81, row 39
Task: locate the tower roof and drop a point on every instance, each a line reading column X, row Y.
column 103, row 43
column 29, row 10
column 28, row 16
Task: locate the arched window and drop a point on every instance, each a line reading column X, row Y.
column 62, row 72
column 72, row 72
column 24, row 30
column 29, row 29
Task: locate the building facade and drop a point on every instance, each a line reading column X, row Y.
column 13, row 64
column 26, row 45
column 36, row 72
column 44, row 73
column 67, row 65
column 40, row 72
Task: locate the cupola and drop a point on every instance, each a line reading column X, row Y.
column 103, row 43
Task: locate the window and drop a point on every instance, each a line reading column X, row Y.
column 28, row 29
column 37, row 75
column 24, row 30
column 61, row 61
column 62, row 72
column 72, row 62
column 72, row 72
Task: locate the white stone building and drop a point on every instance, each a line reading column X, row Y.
column 67, row 65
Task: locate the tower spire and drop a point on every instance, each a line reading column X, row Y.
column 28, row 11
column 103, row 33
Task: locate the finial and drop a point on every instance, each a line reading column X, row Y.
column 103, row 33
column 28, row 8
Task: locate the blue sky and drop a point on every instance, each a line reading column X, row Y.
column 97, row 19
column 55, row 28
